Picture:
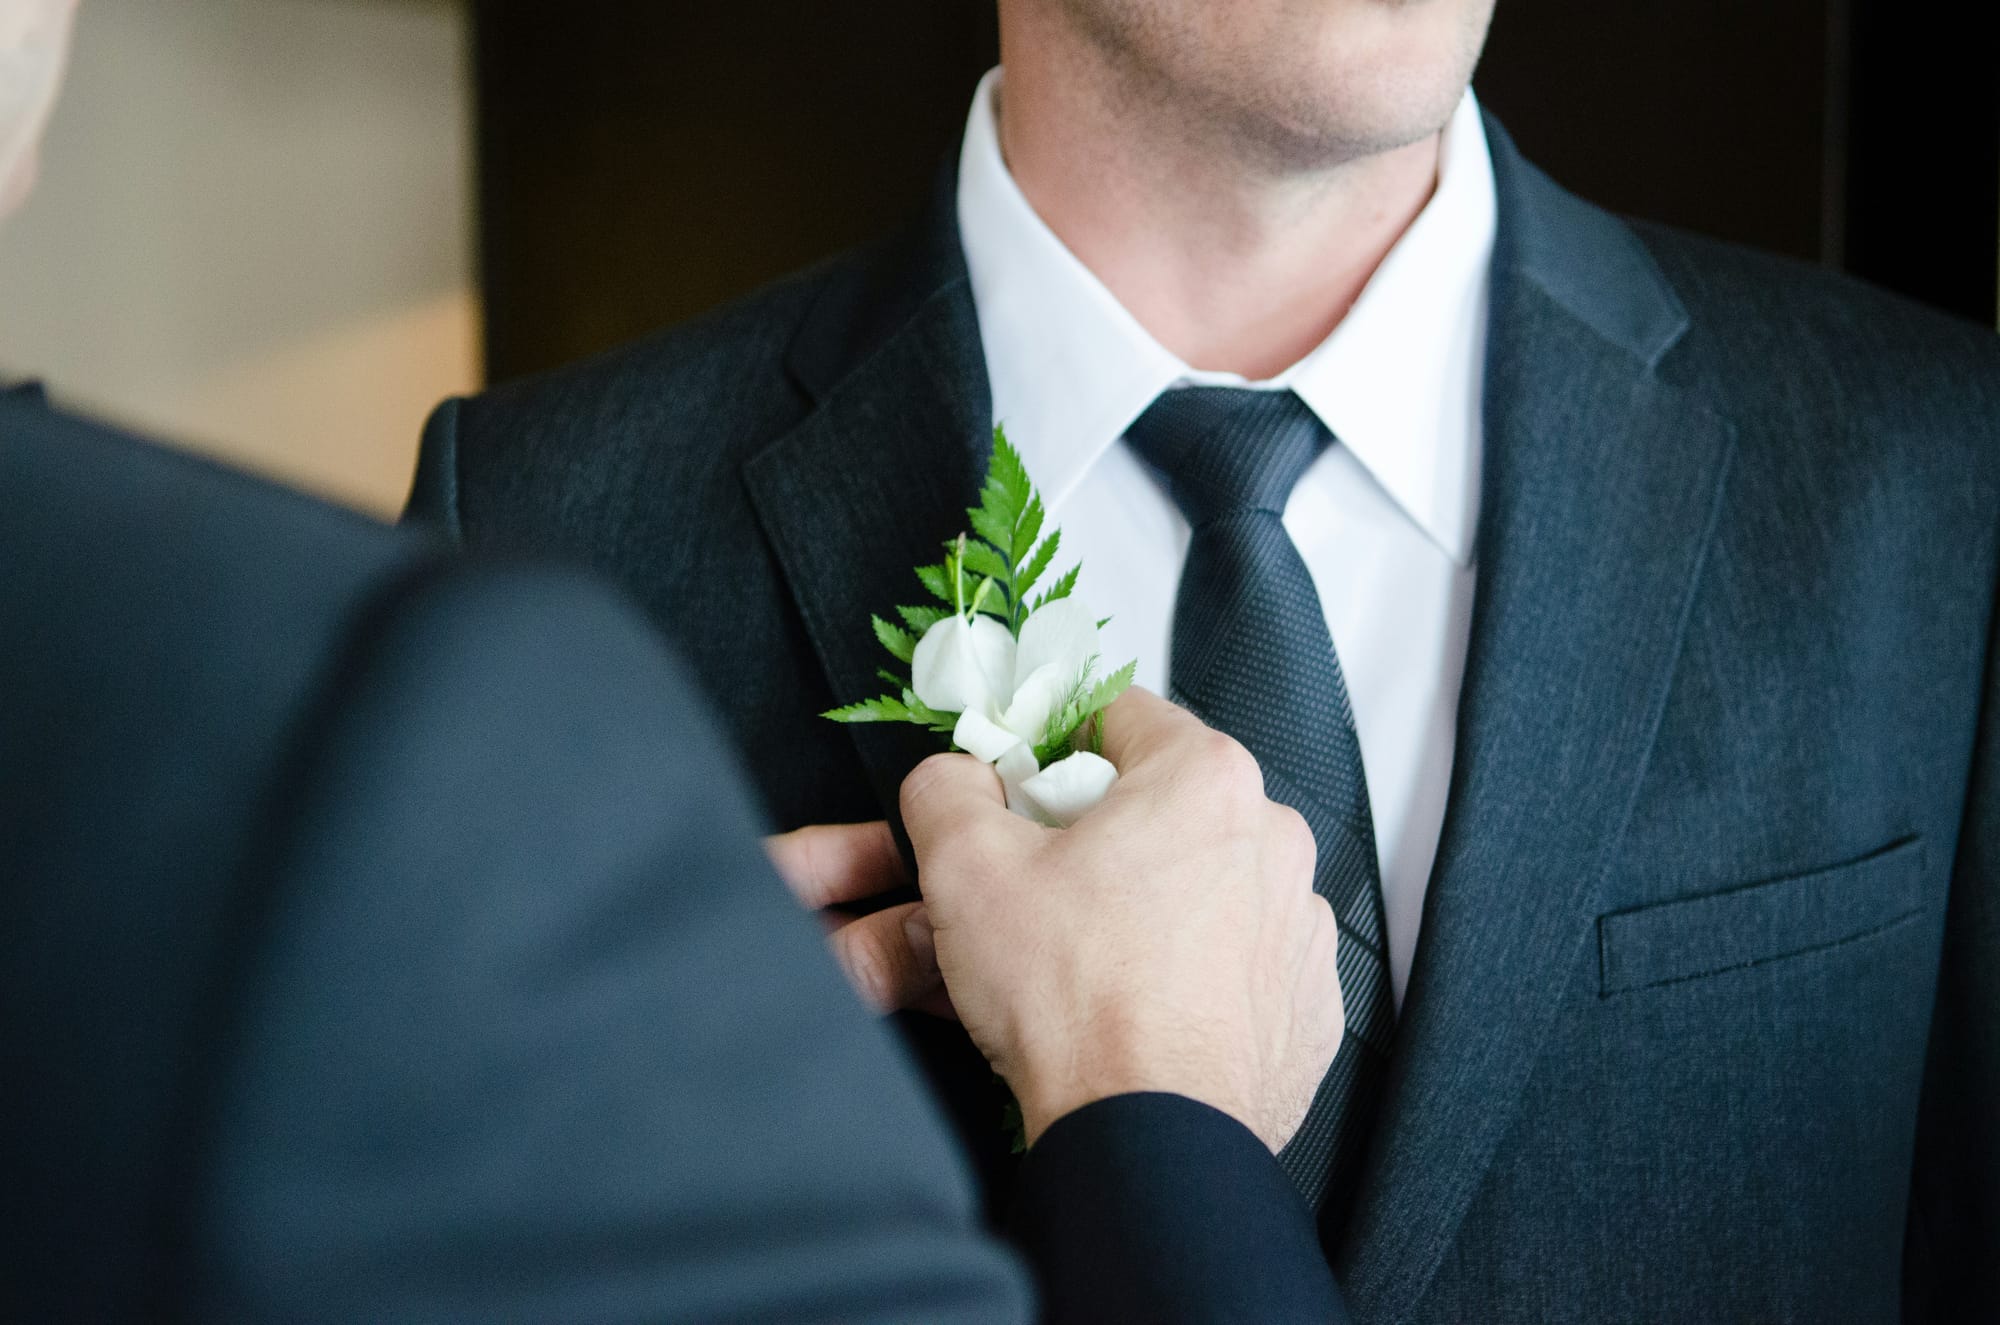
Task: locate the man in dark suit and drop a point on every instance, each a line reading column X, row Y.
column 1658, row 581
column 386, row 938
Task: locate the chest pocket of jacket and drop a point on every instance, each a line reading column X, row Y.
column 1763, row 922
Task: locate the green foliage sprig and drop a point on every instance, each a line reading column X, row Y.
column 992, row 569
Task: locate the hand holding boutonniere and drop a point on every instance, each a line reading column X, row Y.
column 1014, row 681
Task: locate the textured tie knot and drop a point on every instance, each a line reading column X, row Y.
column 1227, row 450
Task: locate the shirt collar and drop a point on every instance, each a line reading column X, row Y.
column 1399, row 381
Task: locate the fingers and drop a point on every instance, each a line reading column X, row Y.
column 1139, row 723
column 830, row 863
column 947, row 793
column 890, row 959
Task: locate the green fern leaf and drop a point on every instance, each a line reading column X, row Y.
column 1026, row 578
column 880, row 709
column 1060, row 590
column 990, row 527
column 936, row 579
column 922, row 712
column 983, row 560
column 1007, row 481
column 898, row 642
column 921, row 619
column 1028, row 530
column 1106, row 692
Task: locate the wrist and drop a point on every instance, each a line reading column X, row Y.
column 1045, row 1095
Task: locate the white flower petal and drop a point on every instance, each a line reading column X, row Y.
column 1070, row 788
column 1035, row 701
column 983, row 738
column 962, row 665
column 1063, row 635
column 1016, row 768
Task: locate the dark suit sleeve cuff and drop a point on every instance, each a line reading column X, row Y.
column 1154, row 1207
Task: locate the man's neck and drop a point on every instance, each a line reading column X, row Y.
column 1232, row 262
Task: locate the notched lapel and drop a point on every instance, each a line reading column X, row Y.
column 870, row 486
column 1603, row 486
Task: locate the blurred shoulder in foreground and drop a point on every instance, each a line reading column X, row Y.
column 376, row 945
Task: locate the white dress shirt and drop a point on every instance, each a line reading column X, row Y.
column 1384, row 520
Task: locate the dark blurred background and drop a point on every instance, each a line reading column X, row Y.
column 642, row 162
column 282, row 230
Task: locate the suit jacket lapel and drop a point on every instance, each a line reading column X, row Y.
column 878, row 476
column 1602, row 487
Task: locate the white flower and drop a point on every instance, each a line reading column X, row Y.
column 1005, row 692
column 1070, row 787
column 962, row 664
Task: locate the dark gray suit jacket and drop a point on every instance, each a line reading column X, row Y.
column 1704, row 1022
column 384, row 938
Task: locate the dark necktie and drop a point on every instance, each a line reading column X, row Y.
column 1252, row 656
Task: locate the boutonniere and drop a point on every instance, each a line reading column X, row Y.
column 1012, row 679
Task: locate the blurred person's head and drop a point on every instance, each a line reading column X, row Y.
column 34, row 45
column 1300, row 83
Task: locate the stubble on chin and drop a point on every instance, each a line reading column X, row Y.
column 1276, row 108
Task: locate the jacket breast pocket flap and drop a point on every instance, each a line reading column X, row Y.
column 1707, row 935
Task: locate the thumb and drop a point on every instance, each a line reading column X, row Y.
column 945, row 794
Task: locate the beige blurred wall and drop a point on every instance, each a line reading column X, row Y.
column 253, row 233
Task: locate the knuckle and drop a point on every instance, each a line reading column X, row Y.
column 1316, row 926
column 1232, row 766
column 1295, row 837
column 1221, row 750
column 1325, row 927
column 1324, row 946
